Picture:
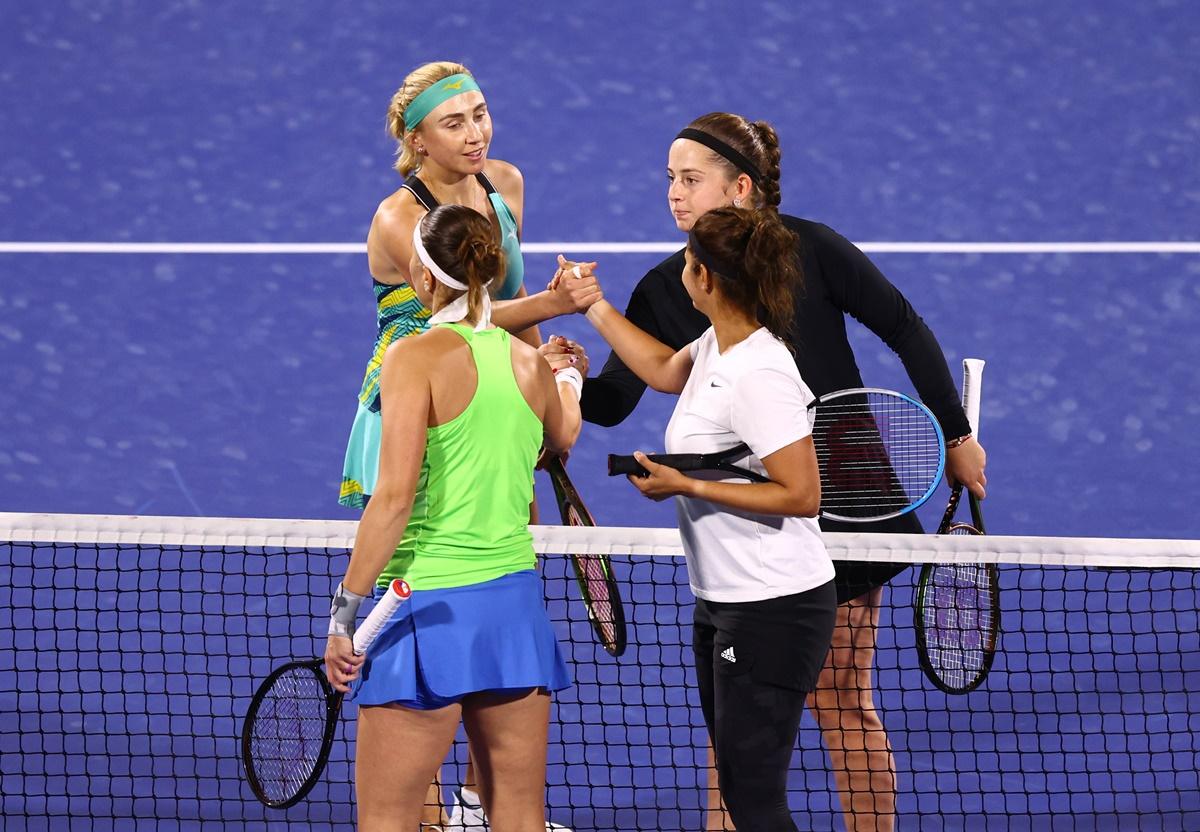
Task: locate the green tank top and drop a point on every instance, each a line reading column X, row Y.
column 478, row 481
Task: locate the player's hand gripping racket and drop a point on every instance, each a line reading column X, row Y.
column 880, row 454
column 289, row 728
column 593, row 572
column 957, row 611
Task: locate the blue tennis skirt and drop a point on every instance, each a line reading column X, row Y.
column 443, row 644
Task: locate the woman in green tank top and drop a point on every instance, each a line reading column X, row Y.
column 466, row 408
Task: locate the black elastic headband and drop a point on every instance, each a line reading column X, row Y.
column 721, row 149
column 709, row 261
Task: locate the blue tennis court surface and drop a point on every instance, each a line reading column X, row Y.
column 224, row 385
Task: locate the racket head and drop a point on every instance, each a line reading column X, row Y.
column 593, row 573
column 288, row 733
column 957, row 619
column 881, row 454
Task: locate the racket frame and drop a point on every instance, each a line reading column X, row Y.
column 573, row 512
column 385, row 607
column 934, row 481
column 972, row 379
column 333, row 706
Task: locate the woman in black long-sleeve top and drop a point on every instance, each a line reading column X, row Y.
column 722, row 159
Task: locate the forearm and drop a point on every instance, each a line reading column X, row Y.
column 641, row 352
column 379, row 532
column 571, row 415
column 521, row 314
column 759, row 498
column 926, row 366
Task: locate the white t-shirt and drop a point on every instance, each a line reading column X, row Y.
column 753, row 394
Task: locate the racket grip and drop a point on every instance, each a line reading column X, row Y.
column 972, row 389
column 380, row 614
column 619, row 464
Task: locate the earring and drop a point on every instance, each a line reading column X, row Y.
column 737, row 202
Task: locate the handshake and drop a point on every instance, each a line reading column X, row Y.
column 574, row 287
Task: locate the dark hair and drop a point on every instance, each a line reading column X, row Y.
column 761, row 251
column 463, row 243
column 757, row 141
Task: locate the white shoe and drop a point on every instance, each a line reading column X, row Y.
column 470, row 817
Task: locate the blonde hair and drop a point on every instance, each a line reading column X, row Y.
column 408, row 161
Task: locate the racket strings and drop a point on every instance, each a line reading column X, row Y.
column 876, row 452
column 595, row 587
column 958, row 612
column 288, row 732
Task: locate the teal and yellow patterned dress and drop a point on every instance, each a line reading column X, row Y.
column 400, row 314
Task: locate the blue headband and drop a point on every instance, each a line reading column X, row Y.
column 435, row 94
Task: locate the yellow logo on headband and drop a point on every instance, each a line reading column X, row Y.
column 457, row 85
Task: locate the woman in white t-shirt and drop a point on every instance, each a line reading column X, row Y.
column 765, row 599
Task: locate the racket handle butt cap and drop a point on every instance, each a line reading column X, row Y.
column 401, row 588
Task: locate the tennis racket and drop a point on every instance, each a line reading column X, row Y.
column 880, row 454
column 289, row 728
column 957, row 611
column 594, row 573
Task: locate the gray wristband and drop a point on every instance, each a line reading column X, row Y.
column 343, row 612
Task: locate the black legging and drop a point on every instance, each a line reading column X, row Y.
column 755, row 664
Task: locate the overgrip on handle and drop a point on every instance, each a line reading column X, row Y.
column 380, row 614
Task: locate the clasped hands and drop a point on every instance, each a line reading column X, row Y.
column 574, row 286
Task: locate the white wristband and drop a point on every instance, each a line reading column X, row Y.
column 570, row 376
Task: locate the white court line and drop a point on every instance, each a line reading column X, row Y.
column 1164, row 247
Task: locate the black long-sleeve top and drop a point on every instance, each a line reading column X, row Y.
column 839, row 280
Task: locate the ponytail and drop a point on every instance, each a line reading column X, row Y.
column 756, row 141
column 754, row 259
column 463, row 243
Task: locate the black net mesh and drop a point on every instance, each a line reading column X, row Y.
column 126, row 671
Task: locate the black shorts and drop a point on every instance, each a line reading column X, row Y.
column 854, row 578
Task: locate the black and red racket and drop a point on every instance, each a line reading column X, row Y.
column 289, row 728
column 594, row 572
column 957, row 613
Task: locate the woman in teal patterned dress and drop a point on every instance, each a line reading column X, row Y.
column 440, row 119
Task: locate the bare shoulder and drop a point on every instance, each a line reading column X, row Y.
column 397, row 214
column 528, row 363
column 524, row 355
column 388, row 243
column 505, row 176
column 420, row 352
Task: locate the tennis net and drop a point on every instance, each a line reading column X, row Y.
column 130, row 648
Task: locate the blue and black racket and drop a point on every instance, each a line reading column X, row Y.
column 880, row 453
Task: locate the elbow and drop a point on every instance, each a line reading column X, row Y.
column 807, row 504
column 563, row 440
column 388, row 502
